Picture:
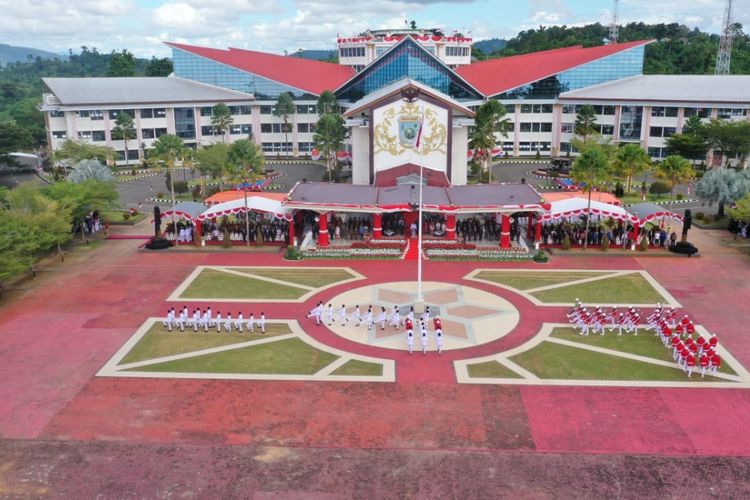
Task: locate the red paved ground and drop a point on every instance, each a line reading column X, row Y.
column 55, row 338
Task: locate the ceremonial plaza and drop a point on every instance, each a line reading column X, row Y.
column 212, row 372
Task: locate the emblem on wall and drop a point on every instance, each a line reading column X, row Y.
column 408, row 129
column 434, row 134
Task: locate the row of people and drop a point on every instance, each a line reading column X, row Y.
column 320, row 313
column 423, row 335
column 206, row 321
column 596, row 320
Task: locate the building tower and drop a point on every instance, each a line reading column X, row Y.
column 724, row 57
column 614, row 29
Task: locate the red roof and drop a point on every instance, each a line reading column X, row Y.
column 500, row 75
column 305, row 74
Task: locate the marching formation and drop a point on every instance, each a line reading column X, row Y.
column 206, row 321
column 690, row 350
column 383, row 319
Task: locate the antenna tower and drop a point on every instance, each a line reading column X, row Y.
column 614, row 29
column 724, row 57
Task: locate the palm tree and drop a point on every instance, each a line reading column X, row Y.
column 285, row 107
column 247, row 156
column 489, row 120
column 327, row 103
column 586, row 125
column 168, row 148
column 630, row 160
column 675, row 170
column 723, row 186
column 124, row 130
column 329, row 138
column 591, row 169
column 221, row 120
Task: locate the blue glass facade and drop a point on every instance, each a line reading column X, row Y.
column 621, row 65
column 631, row 121
column 184, row 123
column 200, row 69
column 408, row 60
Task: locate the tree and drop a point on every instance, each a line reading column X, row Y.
column 592, row 170
column 76, row 151
column 221, row 119
column 723, row 186
column 121, row 64
column 79, row 199
column 212, row 161
column 630, row 160
column 12, row 139
column 327, row 103
column 168, row 148
column 489, row 120
column 285, row 107
column 674, row 170
column 586, row 125
column 124, row 130
column 247, row 156
column 739, row 212
column 159, row 67
column 732, row 139
column 329, row 138
column 86, row 170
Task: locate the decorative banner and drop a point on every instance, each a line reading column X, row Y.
column 470, row 154
column 315, row 154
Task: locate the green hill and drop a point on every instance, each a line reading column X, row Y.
column 12, row 53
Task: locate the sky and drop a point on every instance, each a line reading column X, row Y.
column 279, row 25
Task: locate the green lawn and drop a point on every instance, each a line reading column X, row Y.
column 634, row 198
column 308, row 277
column 627, row 289
column 644, row 344
column 359, row 368
column 527, row 280
column 287, row 357
column 116, row 217
column 491, row 369
column 554, row 361
column 216, row 284
column 159, row 342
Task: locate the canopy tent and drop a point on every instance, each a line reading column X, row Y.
column 647, row 212
column 255, row 203
column 223, row 196
column 189, row 210
column 576, row 206
column 600, row 196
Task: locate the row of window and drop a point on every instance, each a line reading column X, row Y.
column 573, row 109
column 278, row 128
column 658, row 152
column 352, row 52
column 569, row 128
column 536, row 108
column 245, row 129
column 662, row 131
column 286, row 147
column 726, row 113
column 535, row 127
column 457, row 51
column 234, row 110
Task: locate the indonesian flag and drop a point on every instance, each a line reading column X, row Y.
column 315, row 154
column 419, row 132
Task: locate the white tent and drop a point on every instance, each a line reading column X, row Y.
column 254, row 203
column 573, row 207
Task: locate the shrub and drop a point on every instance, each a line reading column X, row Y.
column 565, row 242
column 708, row 218
column 605, row 243
column 541, row 256
column 292, row 254
column 644, row 244
column 160, row 195
column 132, row 171
column 538, row 155
column 126, row 215
column 181, row 187
column 658, row 187
column 699, row 215
column 679, row 196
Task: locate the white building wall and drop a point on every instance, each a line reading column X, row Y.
column 360, row 137
column 458, row 156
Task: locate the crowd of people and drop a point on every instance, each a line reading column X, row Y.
column 690, row 350
column 619, row 235
column 204, row 320
column 384, row 319
column 235, row 228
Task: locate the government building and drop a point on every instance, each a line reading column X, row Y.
column 396, row 87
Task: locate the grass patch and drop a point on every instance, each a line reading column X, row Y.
column 307, row 277
column 217, row 284
column 491, row 369
column 554, row 361
column 633, row 198
column 528, row 280
column 359, row 368
column 117, row 217
column 159, row 342
column 286, row 357
column 627, row 289
column 644, row 344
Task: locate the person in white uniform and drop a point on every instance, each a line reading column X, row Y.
column 228, row 323
column 262, row 322
column 315, row 313
column 329, row 315
column 368, row 318
column 382, row 317
column 423, row 337
column 439, row 341
column 410, row 341
column 218, row 321
column 426, row 316
column 210, row 320
column 342, row 314
column 355, row 316
column 395, row 318
column 251, row 323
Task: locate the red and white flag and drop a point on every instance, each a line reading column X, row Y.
column 419, row 132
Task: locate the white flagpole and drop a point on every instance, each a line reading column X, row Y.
column 420, row 296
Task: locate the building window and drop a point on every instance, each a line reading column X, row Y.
column 664, row 111
column 306, row 128
column 56, row 113
column 207, row 130
column 148, row 133
column 457, row 51
column 114, row 112
column 305, row 147
column 699, row 112
column 567, row 128
column 207, row 111
column 266, row 128
column 158, row 132
column 352, row 52
column 85, row 135
column 536, row 127
column 82, row 114
column 98, row 136
column 147, row 113
column 569, row 109
column 266, row 110
column 607, row 129
column 162, row 113
column 658, row 152
column 97, row 114
column 631, row 120
column 184, row 122
column 379, row 51
column 305, row 109
column 239, row 110
column 245, row 129
column 59, row 134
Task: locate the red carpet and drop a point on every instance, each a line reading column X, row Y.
column 129, row 237
column 412, row 252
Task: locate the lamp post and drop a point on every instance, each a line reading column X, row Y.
column 247, row 216
column 174, row 224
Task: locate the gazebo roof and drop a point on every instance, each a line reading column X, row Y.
column 577, row 206
column 647, row 212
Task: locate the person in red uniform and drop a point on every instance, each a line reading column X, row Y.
column 713, row 341
column 684, row 354
column 715, row 363
column 675, row 345
column 437, row 325
column 690, row 328
column 701, row 343
column 690, row 365
column 704, row 364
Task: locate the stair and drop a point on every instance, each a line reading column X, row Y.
column 412, row 250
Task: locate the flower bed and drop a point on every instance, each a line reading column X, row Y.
column 447, row 245
column 353, row 253
column 478, row 254
column 376, row 244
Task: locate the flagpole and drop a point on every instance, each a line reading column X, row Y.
column 420, row 296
